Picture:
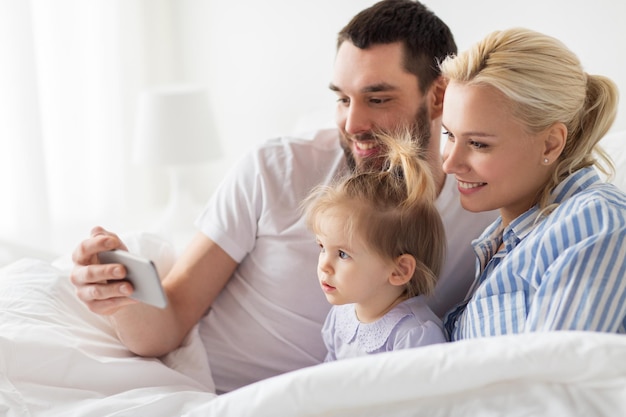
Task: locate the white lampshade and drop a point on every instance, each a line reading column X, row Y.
column 174, row 126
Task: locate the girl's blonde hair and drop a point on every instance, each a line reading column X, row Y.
column 545, row 84
column 391, row 210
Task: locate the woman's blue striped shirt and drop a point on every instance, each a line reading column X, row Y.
column 563, row 271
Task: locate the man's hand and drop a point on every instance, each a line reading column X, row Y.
column 101, row 287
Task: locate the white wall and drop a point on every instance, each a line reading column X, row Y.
column 267, row 64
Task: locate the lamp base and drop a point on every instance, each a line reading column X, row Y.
column 177, row 221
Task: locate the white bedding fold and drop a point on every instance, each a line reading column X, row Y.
column 549, row 374
column 59, row 359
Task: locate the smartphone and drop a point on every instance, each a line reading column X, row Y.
column 142, row 273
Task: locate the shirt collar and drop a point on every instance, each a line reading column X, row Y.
column 487, row 245
column 573, row 184
column 368, row 336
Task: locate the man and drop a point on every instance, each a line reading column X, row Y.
column 249, row 275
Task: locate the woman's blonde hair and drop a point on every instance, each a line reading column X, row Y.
column 391, row 210
column 545, row 84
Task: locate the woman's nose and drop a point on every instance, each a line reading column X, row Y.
column 452, row 158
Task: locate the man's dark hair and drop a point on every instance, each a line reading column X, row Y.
column 426, row 39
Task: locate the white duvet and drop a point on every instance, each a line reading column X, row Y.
column 58, row 359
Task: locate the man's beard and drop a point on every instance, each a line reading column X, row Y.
column 420, row 129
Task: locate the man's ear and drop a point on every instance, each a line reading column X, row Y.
column 435, row 97
column 554, row 142
column 403, row 270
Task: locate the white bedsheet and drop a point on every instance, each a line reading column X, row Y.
column 58, row 359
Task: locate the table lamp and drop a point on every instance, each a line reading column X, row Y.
column 174, row 129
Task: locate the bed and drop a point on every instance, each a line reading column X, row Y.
column 58, row 359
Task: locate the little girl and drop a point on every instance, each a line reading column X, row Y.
column 381, row 248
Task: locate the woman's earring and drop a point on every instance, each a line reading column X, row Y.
column 545, row 160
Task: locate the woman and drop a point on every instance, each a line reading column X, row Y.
column 523, row 122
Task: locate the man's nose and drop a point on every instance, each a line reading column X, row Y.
column 357, row 119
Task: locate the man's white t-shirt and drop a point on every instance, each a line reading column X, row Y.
column 268, row 318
